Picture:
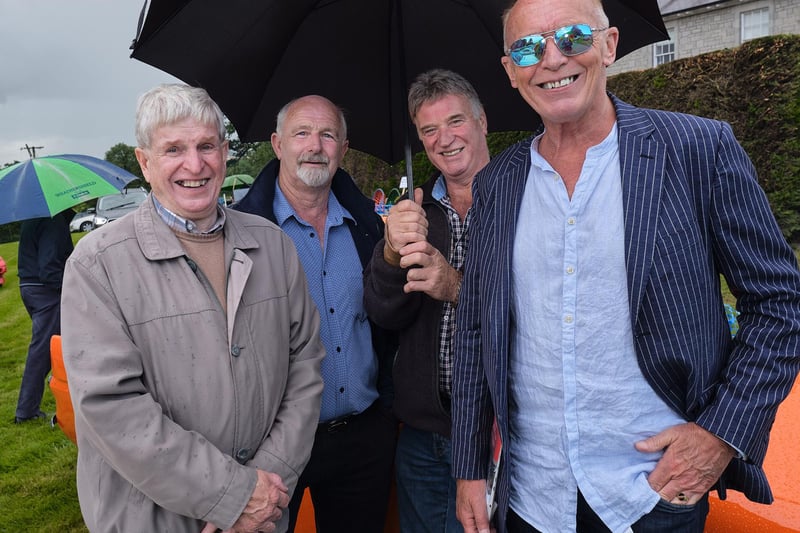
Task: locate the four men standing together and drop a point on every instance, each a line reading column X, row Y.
column 569, row 291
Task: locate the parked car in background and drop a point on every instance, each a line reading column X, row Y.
column 83, row 221
column 115, row 206
column 240, row 193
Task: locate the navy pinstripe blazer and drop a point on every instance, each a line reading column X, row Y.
column 693, row 210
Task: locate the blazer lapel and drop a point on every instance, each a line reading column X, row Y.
column 502, row 191
column 509, row 197
column 642, row 163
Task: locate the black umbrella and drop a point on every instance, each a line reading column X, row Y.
column 253, row 56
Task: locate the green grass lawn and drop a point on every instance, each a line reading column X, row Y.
column 37, row 462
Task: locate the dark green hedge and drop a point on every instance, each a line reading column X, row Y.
column 754, row 87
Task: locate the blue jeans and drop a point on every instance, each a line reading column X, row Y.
column 44, row 307
column 668, row 517
column 426, row 490
column 664, row 518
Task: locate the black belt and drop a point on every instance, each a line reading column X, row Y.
column 337, row 424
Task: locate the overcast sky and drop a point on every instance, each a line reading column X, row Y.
column 67, row 82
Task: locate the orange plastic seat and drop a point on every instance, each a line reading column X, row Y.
column 306, row 524
column 737, row 513
column 65, row 416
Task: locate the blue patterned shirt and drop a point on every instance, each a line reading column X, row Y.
column 335, row 282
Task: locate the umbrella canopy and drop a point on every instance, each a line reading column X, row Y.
column 236, row 180
column 254, row 56
column 45, row 186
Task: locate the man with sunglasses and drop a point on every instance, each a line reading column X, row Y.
column 590, row 321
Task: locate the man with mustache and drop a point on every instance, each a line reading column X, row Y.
column 335, row 229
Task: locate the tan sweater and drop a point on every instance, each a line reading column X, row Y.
column 208, row 251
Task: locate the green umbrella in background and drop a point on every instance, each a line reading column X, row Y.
column 230, row 185
column 45, row 186
column 236, row 180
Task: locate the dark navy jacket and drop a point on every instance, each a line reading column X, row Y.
column 367, row 230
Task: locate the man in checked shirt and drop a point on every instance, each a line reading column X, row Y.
column 412, row 285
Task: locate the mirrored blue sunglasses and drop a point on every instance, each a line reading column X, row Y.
column 571, row 40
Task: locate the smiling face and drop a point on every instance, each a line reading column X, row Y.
column 562, row 89
column 185, row 167
column 454, row 138
column 310, row 144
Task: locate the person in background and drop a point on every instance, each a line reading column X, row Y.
column 591, row 322
column 335, row 229
column 196, row 383
column 412, row 284
column 3, row 270
column 44, row 246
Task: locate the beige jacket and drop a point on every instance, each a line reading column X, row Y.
column 176, row 404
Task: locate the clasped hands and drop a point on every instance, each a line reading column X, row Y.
column 267, row 504
column 406, row 245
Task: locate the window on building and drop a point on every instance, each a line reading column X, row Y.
column 754, row 23
column 664, row 51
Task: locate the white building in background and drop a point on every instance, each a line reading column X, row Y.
column 696, row 27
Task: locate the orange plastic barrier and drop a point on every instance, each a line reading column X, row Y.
column 305, row 519
column 737, row 513
column 65, row 416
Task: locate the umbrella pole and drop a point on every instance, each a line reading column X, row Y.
column 404, row 111
column 409, row 170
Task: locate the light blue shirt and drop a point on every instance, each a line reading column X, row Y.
column 578, row 400
column 335, row 282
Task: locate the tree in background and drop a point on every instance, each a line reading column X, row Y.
column 123, row 156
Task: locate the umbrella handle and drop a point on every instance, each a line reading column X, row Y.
column 409, row 169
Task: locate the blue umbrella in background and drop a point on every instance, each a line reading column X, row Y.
column 45, row 186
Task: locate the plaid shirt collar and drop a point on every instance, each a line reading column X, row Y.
column 185, row 225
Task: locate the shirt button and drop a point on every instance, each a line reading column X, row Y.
column 570, row 270
column 568, row 319
column 571, row 221
column 235, row 350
